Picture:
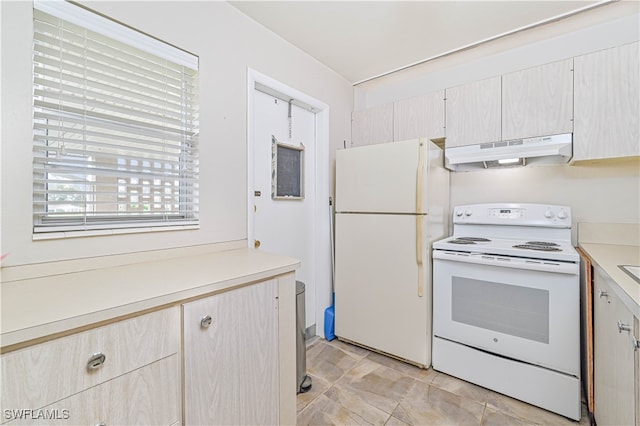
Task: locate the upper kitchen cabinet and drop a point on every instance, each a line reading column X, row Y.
column 538, row 101
column 473, row 113
column 372, row 125
column 606, row 104
column 420, row 116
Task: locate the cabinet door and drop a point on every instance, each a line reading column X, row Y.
column 473, row 113
column 538, row 101
column 231, row 365
column 636, row 355
column 624, row 397
column 372, row 125
column 41, row 374
column 603, row 370
column 613, row 357
column 419, row 117
column 607, row 116
column 147, row 396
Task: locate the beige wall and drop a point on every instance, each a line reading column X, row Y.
column 227, row 43
column 611, row 25
column 606, row 191
column 597, row 192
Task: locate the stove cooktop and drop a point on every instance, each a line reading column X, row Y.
column 553, row 250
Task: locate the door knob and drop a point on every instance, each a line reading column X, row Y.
column 256, row 243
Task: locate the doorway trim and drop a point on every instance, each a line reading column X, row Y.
column 322, row 246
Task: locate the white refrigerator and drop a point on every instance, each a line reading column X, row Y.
column 392, row 202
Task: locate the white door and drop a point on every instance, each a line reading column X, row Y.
column 285, row 226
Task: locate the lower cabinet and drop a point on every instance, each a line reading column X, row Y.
column 134, row 372
column 231, row 357
column 615, row 359
column 147, row 396
column 126, row 372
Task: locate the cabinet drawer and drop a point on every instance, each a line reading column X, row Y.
column 146, row 396
column 36, row 376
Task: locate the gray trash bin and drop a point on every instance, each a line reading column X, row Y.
column 302, row 380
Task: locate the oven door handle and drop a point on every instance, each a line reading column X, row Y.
column 509, row 262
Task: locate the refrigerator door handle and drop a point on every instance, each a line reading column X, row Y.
column 419, row 178
column 419, row 255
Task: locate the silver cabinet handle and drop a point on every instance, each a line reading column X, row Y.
column 602, row 294
column 96, row 360
column 635, row 343
column 623, row 327
column 205, row 321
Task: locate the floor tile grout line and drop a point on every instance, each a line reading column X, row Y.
column 484, row 410
column 358, row 362
column 430, row 383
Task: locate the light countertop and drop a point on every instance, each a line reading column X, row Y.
column 38, row 307
column 608, row 257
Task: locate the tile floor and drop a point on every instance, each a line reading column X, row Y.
column 354, row 386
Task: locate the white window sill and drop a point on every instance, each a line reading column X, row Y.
column 102, row 232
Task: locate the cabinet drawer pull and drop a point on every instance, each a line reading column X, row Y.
column 635, row 343
column 623, row 327
column 205, row 321
column 602, row 294
column 95, row 361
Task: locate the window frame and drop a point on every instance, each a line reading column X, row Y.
column 183, row 211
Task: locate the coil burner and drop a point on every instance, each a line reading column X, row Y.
column 469, row 240
column 539, row 246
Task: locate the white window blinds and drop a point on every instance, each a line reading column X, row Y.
column 115, row 125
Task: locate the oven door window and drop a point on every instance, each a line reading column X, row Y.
column 517, row 311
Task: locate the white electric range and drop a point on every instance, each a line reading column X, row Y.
column 506, row 301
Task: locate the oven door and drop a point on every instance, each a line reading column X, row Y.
column 519, row 308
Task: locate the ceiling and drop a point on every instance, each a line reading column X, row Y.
column 364, row 39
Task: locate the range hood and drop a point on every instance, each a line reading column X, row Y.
column 556, row 149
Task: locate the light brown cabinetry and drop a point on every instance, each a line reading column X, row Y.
column 473, row 113
column 146, row 396
column 231, row 373
column 538, row 101
column 607, row 97
column 534, row 102
column 372, row 125
column 419, row 117
column 133, row 360
column 615, row 364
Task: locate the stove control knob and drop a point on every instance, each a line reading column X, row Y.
column 548, row 214
column 467, row 212
column 562, row 214
column 458, row 213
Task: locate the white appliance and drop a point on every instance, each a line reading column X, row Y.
column 391, row 204
column 555, row 149
column 506, row 294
